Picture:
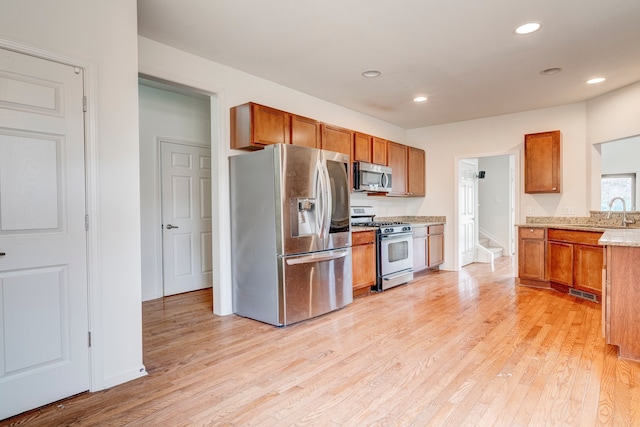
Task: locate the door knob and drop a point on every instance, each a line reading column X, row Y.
column 169, row 226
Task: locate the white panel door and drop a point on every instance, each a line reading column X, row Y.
column 468, row 233
column 186, row 218
column 44, row 352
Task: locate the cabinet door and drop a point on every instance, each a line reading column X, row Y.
column 531, row 254
column 361, row 148
column 560, row 262
column 542, row 162
column 420, row 252
column 397, row 158
column 305, row 131
column 416, row 172
column 253, row 126
column 379, row 148
column 337, row 139
column 363, row 265
column 436, row 250
column 270, row 126
column 588, row 262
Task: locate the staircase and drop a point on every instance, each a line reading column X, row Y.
column 486, row 243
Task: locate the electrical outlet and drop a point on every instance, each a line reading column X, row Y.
column 528, row 210
column 568, row 211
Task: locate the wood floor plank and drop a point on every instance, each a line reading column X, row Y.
column 451, row 349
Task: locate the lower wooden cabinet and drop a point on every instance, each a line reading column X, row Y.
column 575, row 260
column 621, row 293
column 532, row 244
column 428, row 246
column 363, row 259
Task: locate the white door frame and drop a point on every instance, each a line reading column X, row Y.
column 221, row 221
column 95, row 303
column 516, row 199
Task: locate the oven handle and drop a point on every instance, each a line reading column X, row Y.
column 394, row 236
column 399, row 274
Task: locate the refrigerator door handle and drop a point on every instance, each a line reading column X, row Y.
column 327, row 204
column 306, row 259
column 320, row 196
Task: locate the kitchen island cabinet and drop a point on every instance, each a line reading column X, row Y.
column 621, row 293
column 363, row 258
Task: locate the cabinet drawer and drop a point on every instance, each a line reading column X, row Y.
column 363, row 238
column 573, row 236
column 531, row 233
column 436, row 229
column 419, row 232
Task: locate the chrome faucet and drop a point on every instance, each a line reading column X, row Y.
column 625, row 221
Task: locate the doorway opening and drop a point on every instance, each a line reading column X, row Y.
column 175, row 187
column 486, row 208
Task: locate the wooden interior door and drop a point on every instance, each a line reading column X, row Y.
column 186, row 218
column 44, row 327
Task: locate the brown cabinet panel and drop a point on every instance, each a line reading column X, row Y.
column 415, row 172
column 337, row 139
column 588, row 268
column 362, row 148
column 379, row 148
column 305, row 131
column 560, row 262
column 532, row 254
column 253, row 126
column 436, row 250
column 363, row 258
column 620, row 311
column 397, row 158
column 542, row 162
column 420, row 253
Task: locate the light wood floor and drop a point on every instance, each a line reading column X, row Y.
column 456, row 349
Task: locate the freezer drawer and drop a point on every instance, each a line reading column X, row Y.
column 315, row 284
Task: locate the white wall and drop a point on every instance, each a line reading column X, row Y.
column 103, row 35
column 445, row 144
column 232, row 87
column 493, row 198
column 174, row 117
column 610, row 117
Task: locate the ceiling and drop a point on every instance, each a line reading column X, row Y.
column 462, row 54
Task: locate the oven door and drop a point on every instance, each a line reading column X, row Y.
column 396, row 260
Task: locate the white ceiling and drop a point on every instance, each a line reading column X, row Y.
column 462, row 54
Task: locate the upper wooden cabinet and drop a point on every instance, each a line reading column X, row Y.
column 370, row 149
column 362, row 148
column 542, row 162
column 379, row 151
column 415, row 172
column 305, row 131
column 397, row 159
column 253, row 126
column 337, row 139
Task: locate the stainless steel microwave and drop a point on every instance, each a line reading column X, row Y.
column 370, row 177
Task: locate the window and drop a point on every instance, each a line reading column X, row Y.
column 618, row 185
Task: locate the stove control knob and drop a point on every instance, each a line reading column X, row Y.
column 388, row 230
column 406, row 228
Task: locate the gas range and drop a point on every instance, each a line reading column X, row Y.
column 363, row 216
column 394, row 247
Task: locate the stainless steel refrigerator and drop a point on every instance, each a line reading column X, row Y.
column 290, row 233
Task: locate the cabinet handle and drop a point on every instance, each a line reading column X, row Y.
column 531, row 230
column 554, row 188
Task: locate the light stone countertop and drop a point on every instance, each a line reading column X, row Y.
column 620, row 237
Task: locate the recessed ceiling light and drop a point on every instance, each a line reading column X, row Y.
column 595, row 80
column 549, row 71
column 371, row 73
column 420, row 98
column 527, row 28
